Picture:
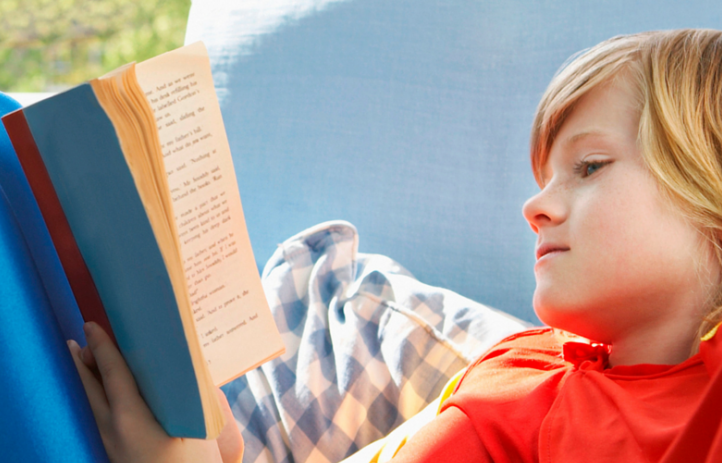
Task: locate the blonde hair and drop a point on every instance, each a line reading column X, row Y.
column 678, row 75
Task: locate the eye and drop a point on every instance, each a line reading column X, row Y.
column 587, row 168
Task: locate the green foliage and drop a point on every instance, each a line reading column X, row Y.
column 47, row 45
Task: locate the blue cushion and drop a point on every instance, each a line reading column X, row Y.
column 408, row 118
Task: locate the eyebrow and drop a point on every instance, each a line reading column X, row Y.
column 581, row 135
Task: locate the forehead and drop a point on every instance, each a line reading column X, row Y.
column 605, row 117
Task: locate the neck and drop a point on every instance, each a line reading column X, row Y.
column 663, row 346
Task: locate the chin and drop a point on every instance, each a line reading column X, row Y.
column 569, row 316
column 551, row 308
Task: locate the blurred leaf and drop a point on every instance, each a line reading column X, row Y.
column 47, row 45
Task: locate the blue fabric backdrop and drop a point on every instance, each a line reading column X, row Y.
column 408, row 118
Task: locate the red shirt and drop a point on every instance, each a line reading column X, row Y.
column 533, row 399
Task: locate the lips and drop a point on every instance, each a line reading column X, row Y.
column 547, row 248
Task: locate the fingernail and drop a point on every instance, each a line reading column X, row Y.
column 88, row 328
column 73, row 347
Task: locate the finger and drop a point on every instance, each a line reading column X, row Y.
column 93, row 387
column 118, row 382
column 86, row 355
column 230, row 441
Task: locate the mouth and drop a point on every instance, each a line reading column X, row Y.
column 546, row 249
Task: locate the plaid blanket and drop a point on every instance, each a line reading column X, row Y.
column 367, row 347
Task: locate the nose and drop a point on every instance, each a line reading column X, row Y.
column 544, row 208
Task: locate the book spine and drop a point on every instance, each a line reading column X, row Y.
column 76, row 270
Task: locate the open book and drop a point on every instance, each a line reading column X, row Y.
column 134, row 177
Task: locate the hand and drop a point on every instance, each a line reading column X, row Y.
column 129, row 430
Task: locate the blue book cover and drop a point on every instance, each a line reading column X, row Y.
column 84, row 161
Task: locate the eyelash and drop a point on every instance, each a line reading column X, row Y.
column 581, row 167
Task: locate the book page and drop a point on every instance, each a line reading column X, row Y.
column 234, row 325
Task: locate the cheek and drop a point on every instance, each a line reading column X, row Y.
column 608, row 239
column 602, row 231
column 622, row 220
column 628, row 261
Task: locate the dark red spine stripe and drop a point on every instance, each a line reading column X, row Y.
column 81, row 282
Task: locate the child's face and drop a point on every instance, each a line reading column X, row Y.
column 613, row 256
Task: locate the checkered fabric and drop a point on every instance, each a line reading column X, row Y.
column 367, row 347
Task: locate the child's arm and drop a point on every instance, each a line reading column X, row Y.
column 129, row 430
